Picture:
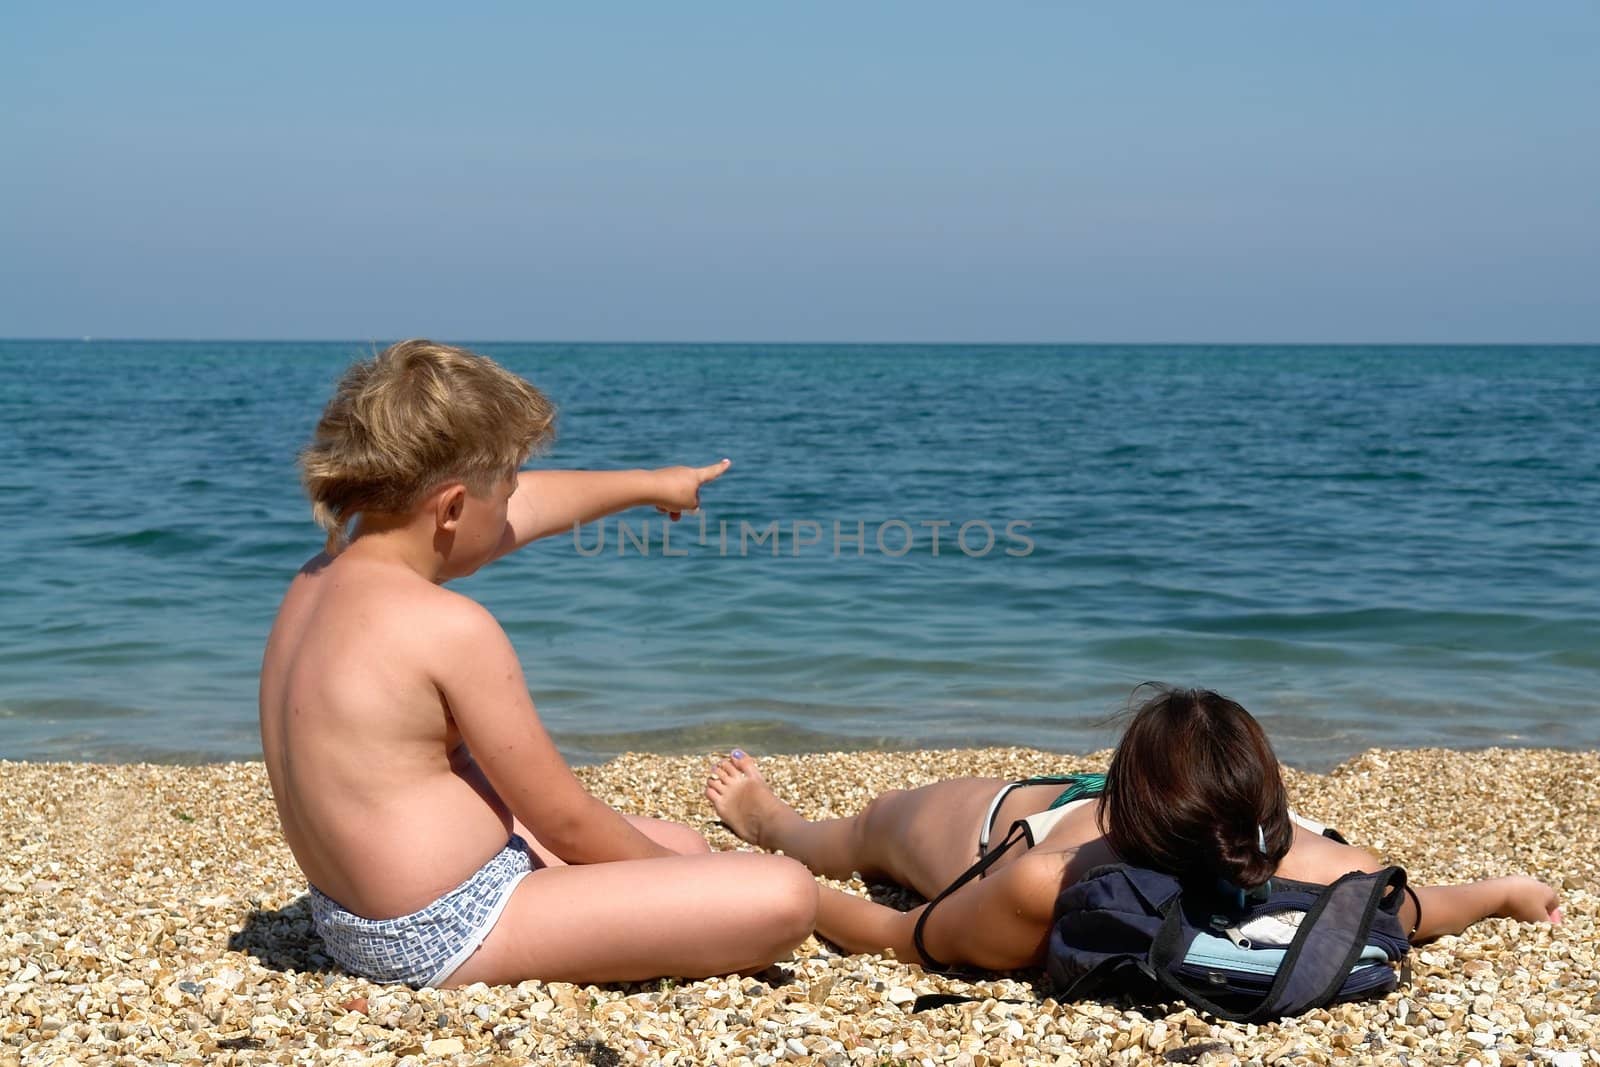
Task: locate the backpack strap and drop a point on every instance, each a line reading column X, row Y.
column 1019, row 832
column 1316, row 963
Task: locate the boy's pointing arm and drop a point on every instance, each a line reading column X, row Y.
column 552, row 502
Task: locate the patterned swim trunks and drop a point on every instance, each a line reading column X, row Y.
column 425, row 947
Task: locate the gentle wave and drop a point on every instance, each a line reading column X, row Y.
column 156, row 541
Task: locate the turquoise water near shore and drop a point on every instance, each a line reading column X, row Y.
column 1366, row 546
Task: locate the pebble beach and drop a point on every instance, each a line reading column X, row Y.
column 152, row 914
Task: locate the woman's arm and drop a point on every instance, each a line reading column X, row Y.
column 857, row 924
column 998, row 923
column 1450, row 909
column 1446, row 909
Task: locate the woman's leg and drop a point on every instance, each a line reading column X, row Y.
column 681, row 917
column 921, row 838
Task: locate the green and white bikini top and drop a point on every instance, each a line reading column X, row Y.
column 1078, row 787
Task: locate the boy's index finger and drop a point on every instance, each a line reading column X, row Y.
column 716, row 470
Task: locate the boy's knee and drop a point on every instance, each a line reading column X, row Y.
column 685, row 840
column 791, row 898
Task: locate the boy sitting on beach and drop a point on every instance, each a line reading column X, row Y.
column 414, row 781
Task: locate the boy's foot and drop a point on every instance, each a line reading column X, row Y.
column 743, row 801
column 1530, row 900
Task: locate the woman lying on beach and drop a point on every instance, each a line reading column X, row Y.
column 1193, row 789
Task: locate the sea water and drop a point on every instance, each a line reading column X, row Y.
column 1365, row 546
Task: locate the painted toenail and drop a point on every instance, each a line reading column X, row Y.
column 738, row 753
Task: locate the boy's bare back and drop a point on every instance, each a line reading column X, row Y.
column 378, row 797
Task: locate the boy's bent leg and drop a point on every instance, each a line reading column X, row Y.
column 684, row 840
column 682, row 917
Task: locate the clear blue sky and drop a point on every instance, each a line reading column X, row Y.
column 746, row 171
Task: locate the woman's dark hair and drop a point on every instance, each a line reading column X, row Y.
column 1190, row 782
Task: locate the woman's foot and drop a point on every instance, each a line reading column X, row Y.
column 1529, row 900
column 744, row 802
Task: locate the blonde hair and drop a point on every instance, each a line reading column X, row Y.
column 415, row 416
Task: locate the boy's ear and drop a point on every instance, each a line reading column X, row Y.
column 448, row 506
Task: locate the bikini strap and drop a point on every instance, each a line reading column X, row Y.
column 1018, row 832
column 1079, row 786
column 1049, row 779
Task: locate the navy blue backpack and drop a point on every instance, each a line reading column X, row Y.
column 1284, row 950
column 1129, row 930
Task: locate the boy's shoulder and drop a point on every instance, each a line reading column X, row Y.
column 399, row 595
column 461, row 614
column 441, row 611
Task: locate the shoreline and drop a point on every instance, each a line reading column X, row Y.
column 581, row 757
column 152, row 913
